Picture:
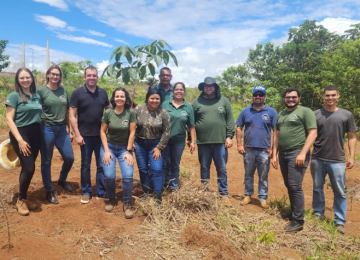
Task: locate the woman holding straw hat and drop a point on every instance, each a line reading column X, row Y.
column 54, row 118
column 23, row 111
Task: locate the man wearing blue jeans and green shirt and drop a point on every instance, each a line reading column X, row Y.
column 89, row 102
column 215, row 128
column 328, row 156
column 295, row 134
column 259, row 120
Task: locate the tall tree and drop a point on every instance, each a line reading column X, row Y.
column 4, row 59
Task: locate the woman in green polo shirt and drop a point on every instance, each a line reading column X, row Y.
column 182, row 118
column 54, row 118
column 117, row 136
column 23, row 111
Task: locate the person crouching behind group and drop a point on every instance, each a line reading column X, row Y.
column 152, row 136
column 117, row 136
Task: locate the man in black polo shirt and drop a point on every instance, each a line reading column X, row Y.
column 88, row 102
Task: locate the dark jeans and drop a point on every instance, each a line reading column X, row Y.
column 147, row 164
column 171, row 163
column 92, row 144
column 293, row 177
column 55, row 136
column 32, row 135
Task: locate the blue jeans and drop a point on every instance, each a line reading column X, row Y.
column 144, row 159
column 118, row 152
column 218, row 153
column 171, row 163
column 293, row 178
column 336, row 171
column 256, row 159
column 92, row 144
column 55, row 136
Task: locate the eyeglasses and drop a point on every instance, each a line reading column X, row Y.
column 55, row 74
column 258, row 95
column 291, row 97
column 165, row 75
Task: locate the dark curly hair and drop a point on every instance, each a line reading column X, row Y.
column 128, row 101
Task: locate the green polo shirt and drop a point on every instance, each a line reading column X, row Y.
column 118, row 125
column 25, row 114
column 181, row 118
column 55, row 104
column 165, row 95
column 293, row 126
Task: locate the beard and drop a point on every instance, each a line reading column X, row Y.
column 292, row 106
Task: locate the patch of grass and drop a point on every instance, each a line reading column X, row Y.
column 267, row 238
column 280, row 203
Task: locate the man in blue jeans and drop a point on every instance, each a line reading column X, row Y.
column 215, row 128
column 328, row 156
column 89, row 102
column 259, row 120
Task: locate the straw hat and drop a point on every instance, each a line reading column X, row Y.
column 8, row 158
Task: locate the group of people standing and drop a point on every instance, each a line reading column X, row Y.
column 156, row 132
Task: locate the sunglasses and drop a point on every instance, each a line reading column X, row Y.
column 258, row 95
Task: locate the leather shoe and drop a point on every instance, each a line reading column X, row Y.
column 65, row 185
column 50, row 196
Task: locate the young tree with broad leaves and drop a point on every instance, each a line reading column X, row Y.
column 4, row 59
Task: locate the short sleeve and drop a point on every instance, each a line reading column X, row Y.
column 12, row 100
column 240, row 119
column 106, row 116
column 191, row 119
column 132, row 116
column 350, row 124
column 74, row 101
column 309, row 119
column 274, row 118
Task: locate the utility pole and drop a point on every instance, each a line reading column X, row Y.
column 47, row 56
column 32, row 59
column 23, row 54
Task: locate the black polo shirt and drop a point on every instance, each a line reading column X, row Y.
column 90, row 107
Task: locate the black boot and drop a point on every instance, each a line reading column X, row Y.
column 158, row 200
column 50, row 196
column 65, row 185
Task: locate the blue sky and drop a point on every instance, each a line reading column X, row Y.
column 207, row 36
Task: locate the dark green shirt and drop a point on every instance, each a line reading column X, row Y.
column 55, row 104
column 214, row 120
column 118, row 125
column 293, row 127
column 25, row 114
column 181, row 118
column 165, row 95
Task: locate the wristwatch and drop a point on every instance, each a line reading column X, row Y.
column 129, row 151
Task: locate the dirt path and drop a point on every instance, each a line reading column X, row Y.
column 71, row 230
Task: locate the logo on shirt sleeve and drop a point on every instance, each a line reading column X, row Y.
column 221, row 110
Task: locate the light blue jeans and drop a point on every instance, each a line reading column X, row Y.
column 336, row 172
column 218, row 153
column 117, row 152
column 171, row 163
column 256, row 159
column 55, row 136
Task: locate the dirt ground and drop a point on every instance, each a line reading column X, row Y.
column 71, row 230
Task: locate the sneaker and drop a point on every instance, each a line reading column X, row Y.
column 284, row 216
column 31, row 205
column 340, row 228
column 128, row 211
column 158, row 200
column 110, row 205
column 294, row 226
column 22, row 208
column 263, row 204
column 245, row 200
column 85, row 199
column 102, row 197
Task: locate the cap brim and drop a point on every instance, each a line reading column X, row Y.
column 8, row 158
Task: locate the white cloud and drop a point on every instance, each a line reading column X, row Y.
column 82, row 40
column 95, row 33
column 338, row 25
column 38, row 55
column 55, row 3
column 50, row 21
column 121, row 41
column 102, row 65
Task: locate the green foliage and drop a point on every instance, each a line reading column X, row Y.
column 4, row 59
column 129, row 62
column 279, row 203
column 267, row 238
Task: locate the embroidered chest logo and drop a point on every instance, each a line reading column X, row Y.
column 63, row 99
column 265, row 117
column 292, row 118
column 125, row 123
column 221, row 110
column 184, row 113
column 158, row 120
